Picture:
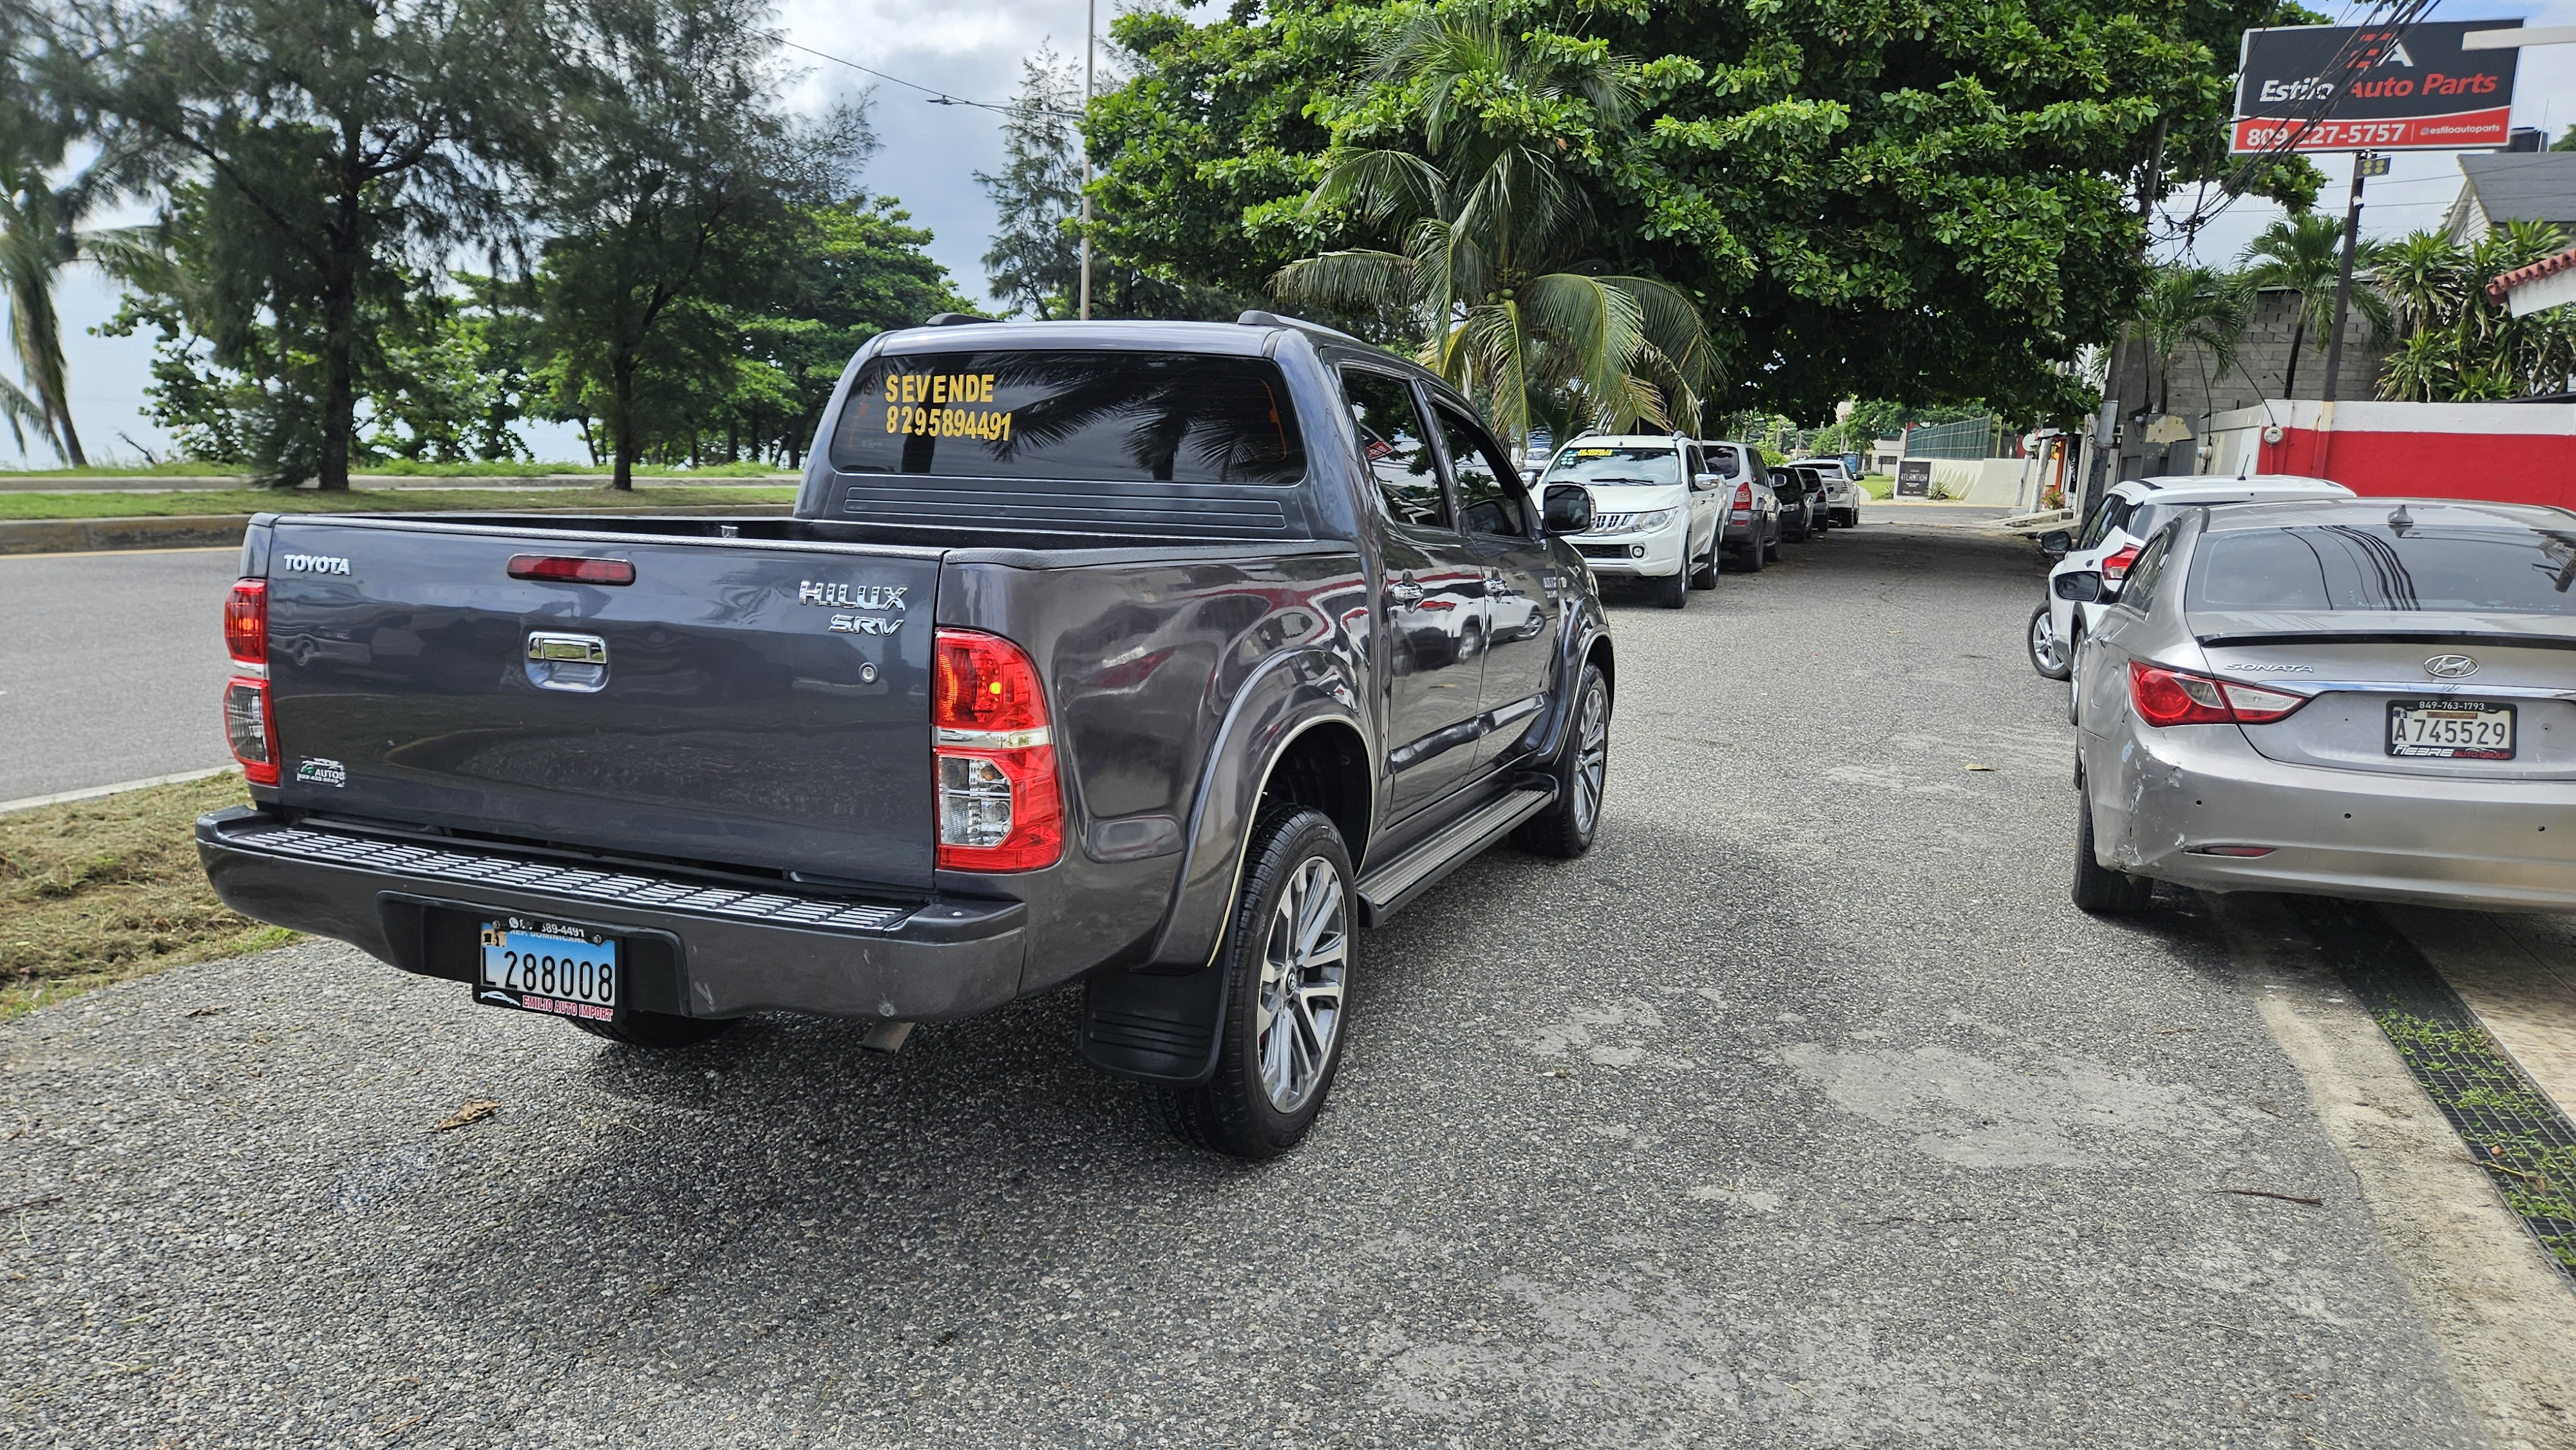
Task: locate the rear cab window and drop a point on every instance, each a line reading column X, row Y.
column 1065, row 416
column 2334, row 568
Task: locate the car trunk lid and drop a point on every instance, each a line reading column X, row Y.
column 753, row 705
column 2358, row 667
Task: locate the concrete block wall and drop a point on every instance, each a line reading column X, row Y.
column 2198, row 388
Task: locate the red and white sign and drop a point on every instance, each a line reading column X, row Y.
column 2351, row 88
column 2467, row 131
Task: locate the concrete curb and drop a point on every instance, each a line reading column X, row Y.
column 200, row 531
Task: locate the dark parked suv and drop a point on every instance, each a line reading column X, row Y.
column 1160, row 657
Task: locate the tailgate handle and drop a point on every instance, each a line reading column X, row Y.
column 567, row 661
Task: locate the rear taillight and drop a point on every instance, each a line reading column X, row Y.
column 246, row 622
column 2173, row 697
column 2116, row 567
column 1743, row 502
column 251, row 729
column 1000, row 808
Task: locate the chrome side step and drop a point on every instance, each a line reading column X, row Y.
column 1386, row 889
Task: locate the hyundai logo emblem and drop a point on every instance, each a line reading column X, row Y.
column 2450, row 667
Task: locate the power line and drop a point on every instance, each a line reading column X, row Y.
column 936, row 97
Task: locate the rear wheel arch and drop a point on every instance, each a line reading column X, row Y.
column 1325, row 765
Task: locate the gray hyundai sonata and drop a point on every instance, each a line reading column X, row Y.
column 2374, row 698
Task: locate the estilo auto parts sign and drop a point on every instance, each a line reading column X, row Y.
column 2348, row 88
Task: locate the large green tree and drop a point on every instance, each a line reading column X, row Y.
column 1925, row 203
column 677, row 174
column 328, row 149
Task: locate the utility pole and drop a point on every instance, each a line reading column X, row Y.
column 2364, row 164
column 1090, row 24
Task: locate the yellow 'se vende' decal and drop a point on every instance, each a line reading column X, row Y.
column 906, row 395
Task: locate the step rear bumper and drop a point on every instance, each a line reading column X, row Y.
column 710, row 950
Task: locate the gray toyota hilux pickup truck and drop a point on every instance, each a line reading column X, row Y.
column 1157, row 657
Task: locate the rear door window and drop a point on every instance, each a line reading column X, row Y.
column 2109, row 516
column 2337, row 567
column 1098, row 416
column 2147, row 576
column 1397, row 448
column 1490, row 500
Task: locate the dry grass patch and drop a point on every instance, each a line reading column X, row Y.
column 98, row 891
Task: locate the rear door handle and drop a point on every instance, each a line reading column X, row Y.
column 567, row 661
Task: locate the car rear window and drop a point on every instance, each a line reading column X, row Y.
column 2336, row 567
column 1617, row 463
column 1114, row 417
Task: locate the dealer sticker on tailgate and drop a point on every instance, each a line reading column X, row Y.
column 549, row 966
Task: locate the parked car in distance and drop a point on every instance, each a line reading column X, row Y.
column 1657, row 510
column 1752, row 509
column 1159, row 657
column 1801, row 488
column 1842, row 490
column 2131, row 510
column 2371, row 698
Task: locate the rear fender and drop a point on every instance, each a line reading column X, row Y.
column 1159, row 1022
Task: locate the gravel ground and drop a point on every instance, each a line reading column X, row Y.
column 1804, row 1111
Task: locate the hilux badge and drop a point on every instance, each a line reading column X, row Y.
column 877, row 597
column 2450, row 667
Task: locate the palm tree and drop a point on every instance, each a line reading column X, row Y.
column 1493, row 230
column 39, row 236
column 2191, row 307
column 2304, row 254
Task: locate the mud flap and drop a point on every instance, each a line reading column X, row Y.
column 1154, row 1027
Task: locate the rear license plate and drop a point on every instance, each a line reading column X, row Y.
column 549, row 966
column 2450, row 729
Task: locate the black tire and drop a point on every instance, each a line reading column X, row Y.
column 1771, row 551
column 1704, row 574
column 1235, row 1111
column 2099, row 889
column 1582, row 771
column 1752, row 553
column 2050, row 659
column 1787, row 537
column 658, row 1029
column 1673, row 590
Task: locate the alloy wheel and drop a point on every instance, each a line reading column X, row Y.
column 2044, row 648
column 1592, row 757
column 1304, row 963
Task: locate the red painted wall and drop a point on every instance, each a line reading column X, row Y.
column 2497, row 467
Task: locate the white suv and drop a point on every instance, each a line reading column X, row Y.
column 2130, row 513
column 1656, row 508
column 1842, row 491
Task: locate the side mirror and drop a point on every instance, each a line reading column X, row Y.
column 2084, row 586
column 1710, row 482
column 2055, row 543
column 1566, row 509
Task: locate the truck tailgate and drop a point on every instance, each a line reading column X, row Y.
column 741, row 703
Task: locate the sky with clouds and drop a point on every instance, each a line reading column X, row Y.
column 973, row 49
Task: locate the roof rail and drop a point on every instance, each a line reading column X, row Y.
column 953, row 319
column 1257, row 318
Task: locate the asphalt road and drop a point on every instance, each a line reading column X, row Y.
column 111, row 667
column 1803, row 1111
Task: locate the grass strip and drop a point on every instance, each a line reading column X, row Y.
column 374, row 500
column 2509, row 1127
column 101, row 891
